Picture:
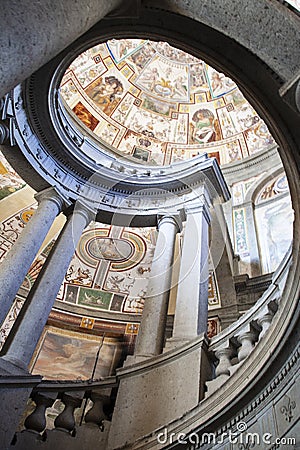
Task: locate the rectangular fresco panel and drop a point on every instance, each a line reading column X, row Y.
column 140, row 153
column 94, row 298
column 241, row 238
column 213, row 327
column 213, row 294
column 66, row 355
column 117, row 302
column 85, row 116
column 71, row 294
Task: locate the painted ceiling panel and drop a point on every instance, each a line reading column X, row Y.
column 155, row 104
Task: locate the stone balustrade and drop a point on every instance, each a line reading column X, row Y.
column 78, row 405
column 232, row 346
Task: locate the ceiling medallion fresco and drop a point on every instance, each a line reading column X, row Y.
column 110, row 249
column 155, row 104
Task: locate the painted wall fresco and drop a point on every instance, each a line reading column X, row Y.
column 240, row 189
column 273, row 188
column 11, row 228
column 10, row 181
column 108, row 272
column 273, row 215
column 66, row 355
column 213, row 327
column 110, row 269
column 156, row 104
column 7, row 325
column 274, row 220
column 214, row 300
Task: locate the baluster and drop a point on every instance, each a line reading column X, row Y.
column 265, row 318
column 65, row 420
column 224, row 356
column 36, row 421
column 96, row 414
column 246, row 337
column 265, row 322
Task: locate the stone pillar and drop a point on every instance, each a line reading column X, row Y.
column 33, row 32
column 252, row 239
column 223, row 262
column 15, row 266
column 245, row 229
column 151, row 333
column 192, row 294
column 21, row 343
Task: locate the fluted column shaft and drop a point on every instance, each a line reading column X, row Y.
column 192, row 294
column 15, row 266
column 151, row 333
column 29, row 325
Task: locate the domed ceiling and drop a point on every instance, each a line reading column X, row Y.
column 154, row 104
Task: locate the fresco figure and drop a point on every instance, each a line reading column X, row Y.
column 105, row 94
column 204, row 129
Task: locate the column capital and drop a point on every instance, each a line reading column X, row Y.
column 82, row 208
column 169, row 217
column 199, row 207
column 50, row 194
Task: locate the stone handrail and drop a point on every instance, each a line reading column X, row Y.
column 230, row 347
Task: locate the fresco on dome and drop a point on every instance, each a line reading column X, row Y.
column 219, row 84
column 85, row 116
column 10, row 181
column 106, row 93
column 121, row 49
column 156, row 104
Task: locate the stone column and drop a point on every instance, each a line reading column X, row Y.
column 33, row 32
column 192, row 294
column 21, row 343
column 150, row 339
column 15, row 266
column 252, row 238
